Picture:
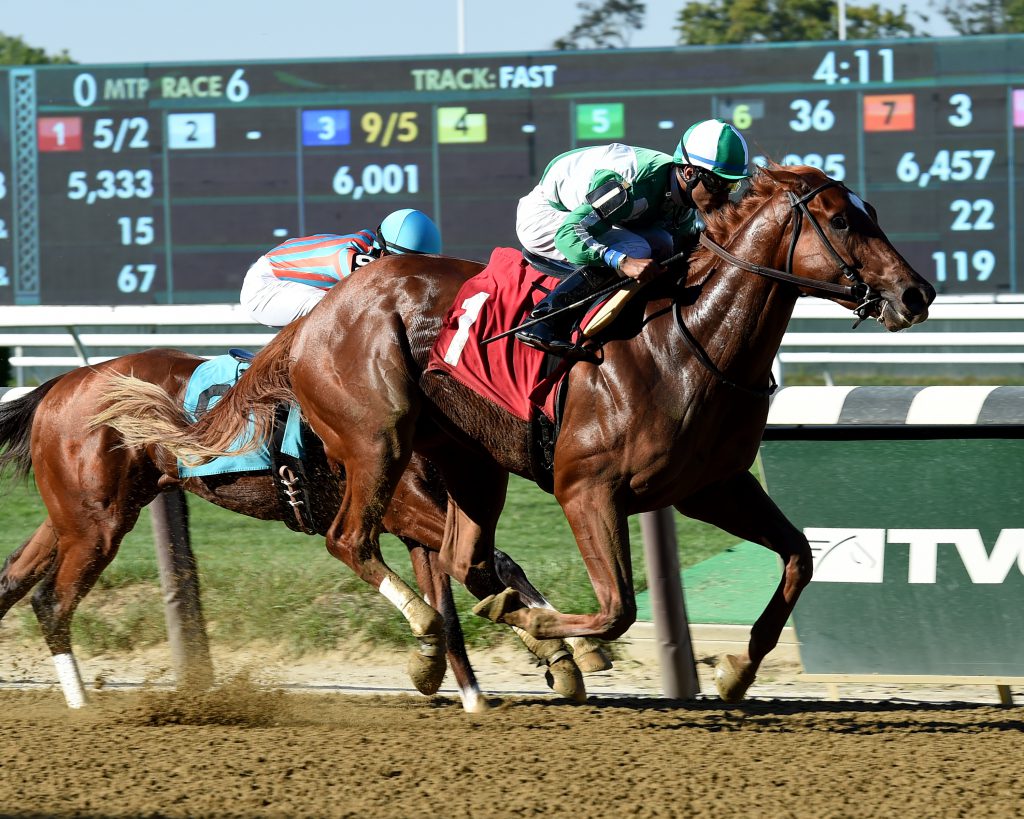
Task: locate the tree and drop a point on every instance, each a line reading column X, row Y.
column 607, row 24
column 758, row 21
column 15, row 51
column 984, row 16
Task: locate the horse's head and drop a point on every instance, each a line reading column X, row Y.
column 836, row 238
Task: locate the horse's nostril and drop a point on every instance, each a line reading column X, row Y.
column 914, row 300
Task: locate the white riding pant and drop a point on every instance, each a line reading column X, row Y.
column 273, row 301
column 537, row 222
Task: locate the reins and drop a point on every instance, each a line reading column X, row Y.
column 850, row 293
column 856, row 292
column 710, row 365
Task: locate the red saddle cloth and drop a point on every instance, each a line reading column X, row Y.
column 506, row 371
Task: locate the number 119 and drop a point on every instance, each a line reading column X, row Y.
column 982, row 262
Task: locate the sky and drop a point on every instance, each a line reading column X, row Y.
column 138, row 31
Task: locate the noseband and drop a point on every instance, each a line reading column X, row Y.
column 857, row 292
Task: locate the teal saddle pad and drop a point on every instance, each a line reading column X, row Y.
column 208, row 383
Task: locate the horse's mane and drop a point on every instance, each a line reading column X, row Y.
column 726, row 220
column 765, row 183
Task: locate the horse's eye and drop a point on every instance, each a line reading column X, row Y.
column 839, row 222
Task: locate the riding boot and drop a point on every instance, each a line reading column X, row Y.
column 552, row 335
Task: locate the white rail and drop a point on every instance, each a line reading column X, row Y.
column 200, row 328
column 932, row 343
column 67, row 336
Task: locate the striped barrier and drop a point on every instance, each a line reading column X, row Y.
column 913, row 501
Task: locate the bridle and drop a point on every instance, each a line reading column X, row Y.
column 858, row 291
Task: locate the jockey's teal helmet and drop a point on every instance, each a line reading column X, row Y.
column 409, row 231
column 713, row 144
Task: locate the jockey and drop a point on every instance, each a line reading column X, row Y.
column 615, row 210
column 289, row 281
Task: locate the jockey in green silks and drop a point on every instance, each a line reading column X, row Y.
column 615, row 210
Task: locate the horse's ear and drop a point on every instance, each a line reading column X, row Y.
column 772, row 170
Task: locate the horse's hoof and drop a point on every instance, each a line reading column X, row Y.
column 426, row 672
column 563, row 677
column 495, row 607
column 475, row 705
column 593, row 660
column 731, row 682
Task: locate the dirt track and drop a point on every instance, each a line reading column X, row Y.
column 244, row 750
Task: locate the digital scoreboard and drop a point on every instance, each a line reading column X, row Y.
column 162, row 183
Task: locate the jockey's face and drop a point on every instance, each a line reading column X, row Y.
column 708, row 192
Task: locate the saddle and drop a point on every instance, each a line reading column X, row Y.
column 294, row 456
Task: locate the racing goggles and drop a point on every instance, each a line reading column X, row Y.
column 716, row 184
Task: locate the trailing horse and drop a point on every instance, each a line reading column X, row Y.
column 94, row 486
column 670, row 413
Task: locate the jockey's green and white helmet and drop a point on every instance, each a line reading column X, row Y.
column 409, row 231
column 714, row 145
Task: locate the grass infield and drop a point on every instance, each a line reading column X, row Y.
column 261, row 582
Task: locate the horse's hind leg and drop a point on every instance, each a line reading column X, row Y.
column 741, row 507
column 40, row 563
column 437, row 587
column 477, row 495
column 81, row 558
column 34, row 562
column 27, row 566
column 354, row 538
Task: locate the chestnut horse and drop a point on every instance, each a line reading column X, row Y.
column 671, row 413
column 94, row 487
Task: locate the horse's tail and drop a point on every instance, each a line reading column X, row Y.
column 16, row 429
column 145, row 414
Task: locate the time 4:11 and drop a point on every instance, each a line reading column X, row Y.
column 831, row 70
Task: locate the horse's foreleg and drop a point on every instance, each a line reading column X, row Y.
column 741, row 507
column 603, row 540
column 589, row 654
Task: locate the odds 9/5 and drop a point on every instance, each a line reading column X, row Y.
column 383, row 129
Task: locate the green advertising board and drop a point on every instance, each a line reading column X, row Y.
column 917, row 532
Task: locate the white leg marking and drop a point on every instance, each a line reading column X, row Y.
column 70, row 680
column 471, row 699
column 400, row 598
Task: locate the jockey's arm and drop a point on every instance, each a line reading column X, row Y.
column 579, row 240
column 606, row 203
